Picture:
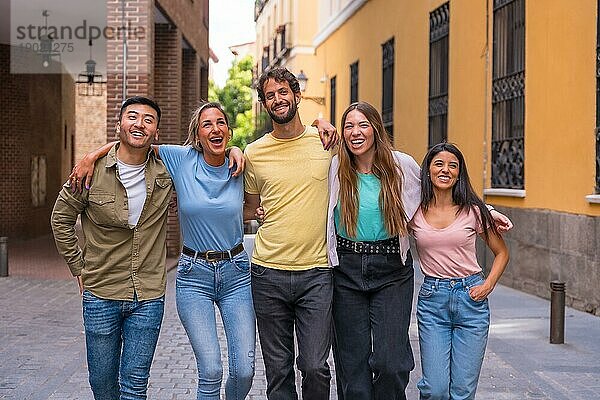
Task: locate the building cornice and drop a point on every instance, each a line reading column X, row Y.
column 337, row 21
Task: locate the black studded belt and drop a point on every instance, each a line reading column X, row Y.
column 214, row 255
column 387, row 246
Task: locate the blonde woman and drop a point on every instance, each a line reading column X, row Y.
column 373, row 192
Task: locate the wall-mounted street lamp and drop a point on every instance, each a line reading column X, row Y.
column 90, row 82
column 302, row 80
column 46, row 45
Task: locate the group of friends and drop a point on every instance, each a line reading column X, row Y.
column 331, row 266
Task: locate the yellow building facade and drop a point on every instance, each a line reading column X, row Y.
column 285, row 30
column 512, row 82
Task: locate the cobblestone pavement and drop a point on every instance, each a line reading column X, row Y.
column 42, row 353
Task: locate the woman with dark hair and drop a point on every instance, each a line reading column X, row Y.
column 213, row 268
column 452, row 309
column 374, row 191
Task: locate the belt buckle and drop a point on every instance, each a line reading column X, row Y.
column 357, row 247
column 212, row 255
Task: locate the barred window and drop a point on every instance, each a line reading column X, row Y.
column 265, row 59
column 332, row 95
column 439, row 24
column 508, row 95
column 354, row 82
column 387, row 101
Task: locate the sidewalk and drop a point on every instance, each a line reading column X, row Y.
column 42, row 349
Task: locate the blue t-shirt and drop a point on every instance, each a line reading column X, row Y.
column 369, row 224
column 209, row 199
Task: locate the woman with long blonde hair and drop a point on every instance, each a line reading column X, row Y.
column 374, row 191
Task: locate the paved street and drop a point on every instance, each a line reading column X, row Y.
column 42, row 354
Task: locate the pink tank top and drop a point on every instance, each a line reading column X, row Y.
column 447, row 252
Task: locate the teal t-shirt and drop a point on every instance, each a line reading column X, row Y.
column 369, row 225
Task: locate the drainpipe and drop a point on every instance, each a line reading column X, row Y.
column 486, row 53
column 124, row 32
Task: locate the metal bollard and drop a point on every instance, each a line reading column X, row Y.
column 557, row 312
column 3, row 256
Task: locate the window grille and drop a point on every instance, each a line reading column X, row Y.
column 508, row 95
column 354, row 82
column 387, row 103
column 332, row 95
column 439, row 24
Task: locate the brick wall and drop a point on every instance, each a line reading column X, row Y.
column 139, row 16
column 167, row 92
column 167, row 80
column 155, row 68
column 90, row 124
column 32, row 122
column 190, row 90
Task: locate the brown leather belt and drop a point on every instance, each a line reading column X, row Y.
column 214, row 255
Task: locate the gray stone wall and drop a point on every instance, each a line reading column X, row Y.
column 548, row 245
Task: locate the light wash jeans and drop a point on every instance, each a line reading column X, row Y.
column 120, row 338
column 201, row 285
column 453, row 331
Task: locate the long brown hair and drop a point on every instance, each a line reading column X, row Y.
column 384, row 168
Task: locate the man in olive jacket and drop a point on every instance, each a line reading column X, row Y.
column 121, row 269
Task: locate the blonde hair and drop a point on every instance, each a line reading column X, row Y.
column 195, row 123
column 384, row 168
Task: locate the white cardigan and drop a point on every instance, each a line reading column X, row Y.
column 411, row 198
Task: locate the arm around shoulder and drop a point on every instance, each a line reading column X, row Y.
column 84, row 169
column 251, row 204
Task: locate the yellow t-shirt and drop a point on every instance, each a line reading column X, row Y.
column 290, row 175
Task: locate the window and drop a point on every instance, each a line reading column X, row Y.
column 332, row 95
column 281, row 34
column 508, row 95
column 598, row 103
column 354, row 82
column 387, row 101
column 439, row 24
column 38, row 180
column 265, row 59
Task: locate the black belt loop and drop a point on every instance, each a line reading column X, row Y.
column 214, row 255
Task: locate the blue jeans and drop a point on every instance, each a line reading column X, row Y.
column 120, row 337
column 201, row 285
column 294, row 300
column 453, row 331
column 372, row 303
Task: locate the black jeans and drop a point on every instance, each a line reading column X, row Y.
column 372, row 302
column 284, row 300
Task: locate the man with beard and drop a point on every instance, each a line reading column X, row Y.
column 286, row 174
